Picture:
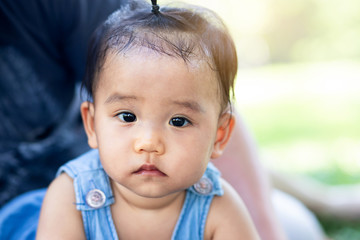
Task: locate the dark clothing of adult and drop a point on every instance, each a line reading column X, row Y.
column 43, row 47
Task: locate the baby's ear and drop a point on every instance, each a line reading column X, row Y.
column 88, row 114
column 223, row 134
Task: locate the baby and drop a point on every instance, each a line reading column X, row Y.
column 159, row 84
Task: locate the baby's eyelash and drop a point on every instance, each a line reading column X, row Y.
column 180, row 122
column 126, row 117
column 177, row 121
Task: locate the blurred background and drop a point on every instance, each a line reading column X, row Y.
column 298, row 87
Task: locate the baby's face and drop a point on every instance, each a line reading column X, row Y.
column 156, row 120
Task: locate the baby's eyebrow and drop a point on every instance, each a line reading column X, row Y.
column 117, row 97
column 192, row 105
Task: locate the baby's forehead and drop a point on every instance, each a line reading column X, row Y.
column 197, row 62
column 198, row 67
column 146, row 70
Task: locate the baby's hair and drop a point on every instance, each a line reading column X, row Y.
column 187, row 32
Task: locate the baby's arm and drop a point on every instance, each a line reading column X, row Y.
column 59, row 218
column 228, row 218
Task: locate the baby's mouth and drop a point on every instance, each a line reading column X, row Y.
column 149, row 170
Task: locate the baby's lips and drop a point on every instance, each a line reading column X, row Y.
column 149, row 169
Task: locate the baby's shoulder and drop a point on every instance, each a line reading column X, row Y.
column 59, row 204
column 229, row 203
column 228, row 217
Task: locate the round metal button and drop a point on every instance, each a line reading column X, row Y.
column 203, row 186
column 95, row 198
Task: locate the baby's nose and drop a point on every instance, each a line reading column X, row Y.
column 149, row 141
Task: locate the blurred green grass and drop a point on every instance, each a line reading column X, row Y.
column 305, row 117
column 341, row 230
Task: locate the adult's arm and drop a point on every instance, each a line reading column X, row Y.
column 340, row 202
column 241, row 167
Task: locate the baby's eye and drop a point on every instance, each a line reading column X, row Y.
column 127, row 117
column 179, row 122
